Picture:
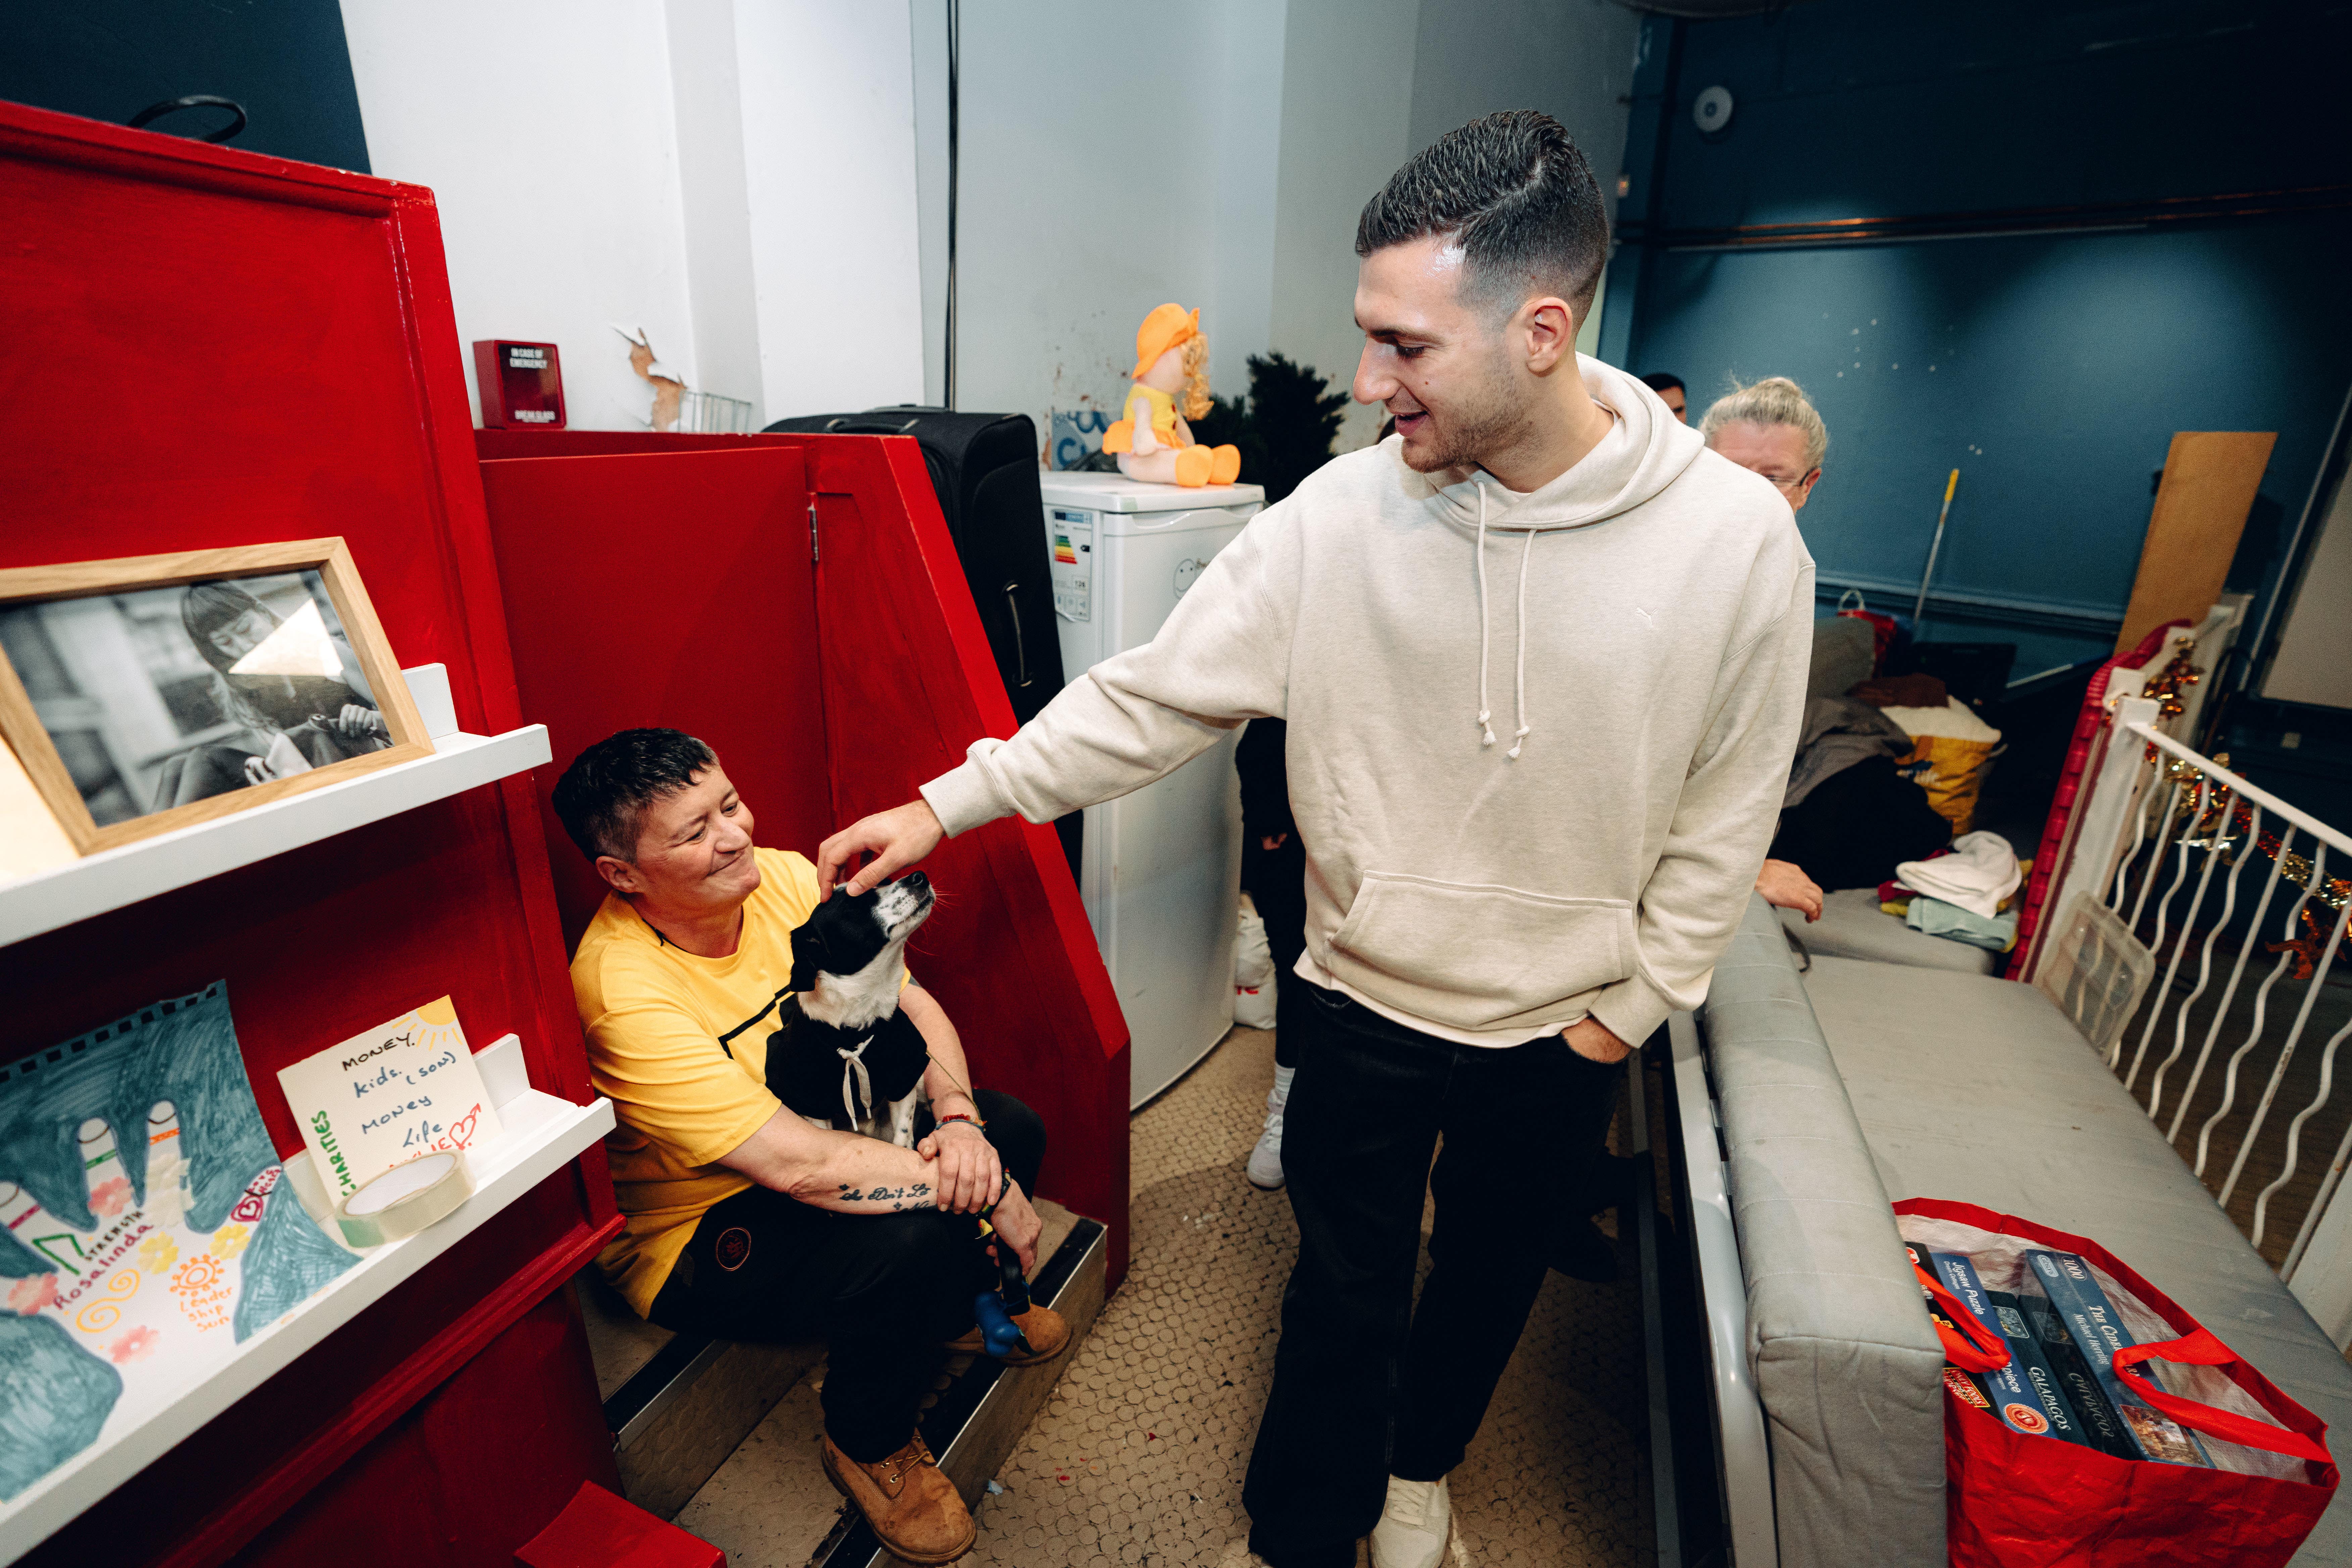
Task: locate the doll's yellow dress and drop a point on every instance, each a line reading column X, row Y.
column 1159, row 407
column 1195, row 465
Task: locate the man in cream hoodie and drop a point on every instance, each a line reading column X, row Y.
column 1542, row 656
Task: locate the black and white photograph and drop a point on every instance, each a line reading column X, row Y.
column 161, row 696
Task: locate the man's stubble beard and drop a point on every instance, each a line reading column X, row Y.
column 1492, row 418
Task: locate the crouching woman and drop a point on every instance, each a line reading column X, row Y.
column 744, row 1220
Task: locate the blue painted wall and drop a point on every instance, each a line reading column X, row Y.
column 2051, row 370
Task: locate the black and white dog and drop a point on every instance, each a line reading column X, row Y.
column 844, row 1056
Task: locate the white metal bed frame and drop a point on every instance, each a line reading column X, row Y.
column 2158, row 818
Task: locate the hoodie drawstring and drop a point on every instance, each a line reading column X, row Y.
column 1519, row 697
column 1520, row 736
column 1482, row 617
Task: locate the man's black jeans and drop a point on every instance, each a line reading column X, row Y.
column 885, row 1290
column 1364, row 1384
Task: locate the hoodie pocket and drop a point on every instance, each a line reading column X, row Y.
column 1471, row 956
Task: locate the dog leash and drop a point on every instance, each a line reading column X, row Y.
column 996, row 1311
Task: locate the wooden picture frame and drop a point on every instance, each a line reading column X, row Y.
column 23, row 728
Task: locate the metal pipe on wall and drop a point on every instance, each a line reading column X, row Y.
column 955, row 74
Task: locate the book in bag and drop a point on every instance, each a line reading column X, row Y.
column 2024, row 1394
column 2098, row 1333
column 2100, row 1423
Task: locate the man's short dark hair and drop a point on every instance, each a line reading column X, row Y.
column 606, row 789
column 1660, row 383
column 1516, row 193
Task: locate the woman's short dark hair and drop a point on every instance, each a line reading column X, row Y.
column 1660, row 382
column 1518, row 195
column 606, row 789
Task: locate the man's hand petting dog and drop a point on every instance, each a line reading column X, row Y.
column 969, row 1170
column 897, row 839
column 1590, row 1038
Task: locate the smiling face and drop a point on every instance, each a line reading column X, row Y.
column 1443, row 364
column 694, row 850
column 1775, row 451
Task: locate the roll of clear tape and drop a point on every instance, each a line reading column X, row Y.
column 405, row 1200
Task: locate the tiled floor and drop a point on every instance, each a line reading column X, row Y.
column 1139, row 1459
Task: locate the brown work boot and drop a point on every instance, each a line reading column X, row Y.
column 914, row 1510
column 1041, row 1326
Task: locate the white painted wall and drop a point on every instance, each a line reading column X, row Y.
column 1092, row 152
column 1347, row 105
column 735, row 176
column 546, row 134
column 761, row 183
column 706, row 90
column 828, row 143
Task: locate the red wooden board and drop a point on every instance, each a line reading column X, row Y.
column 906, row 684
column 671, row 591
column 207, row 348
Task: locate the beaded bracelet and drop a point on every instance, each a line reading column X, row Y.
column 960, row 1116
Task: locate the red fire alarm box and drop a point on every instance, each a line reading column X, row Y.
column 521, row 385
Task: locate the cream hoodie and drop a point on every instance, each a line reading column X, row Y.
column 1537, row 743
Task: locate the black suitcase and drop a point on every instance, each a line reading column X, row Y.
column 985, row 469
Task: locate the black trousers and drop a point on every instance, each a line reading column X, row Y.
column 1276, row 880
column 886, row 1291
column 1365, row 1385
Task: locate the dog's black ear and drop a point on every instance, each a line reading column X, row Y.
column 808, row 954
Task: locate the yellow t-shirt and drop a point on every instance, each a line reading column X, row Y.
column 679, row 1044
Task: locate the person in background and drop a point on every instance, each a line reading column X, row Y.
column 1543, row 658
column 1274, row 874
column 1772, row 428
column 1669, row 389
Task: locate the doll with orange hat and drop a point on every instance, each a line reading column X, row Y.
column 1152, row 440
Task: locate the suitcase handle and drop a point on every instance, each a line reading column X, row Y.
column 1020, row 647
column 845, row 426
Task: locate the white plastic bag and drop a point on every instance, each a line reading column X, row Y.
column 1253, row 980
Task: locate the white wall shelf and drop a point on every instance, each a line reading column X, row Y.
column 112, row 878
column 541, row 1134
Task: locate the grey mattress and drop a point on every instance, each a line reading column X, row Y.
column 1846, row 1361
column 1854, row 926
column 1919, row 1049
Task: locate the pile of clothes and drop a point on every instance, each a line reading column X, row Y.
column 1966, row 892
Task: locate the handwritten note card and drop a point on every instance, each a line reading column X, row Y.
column 382, row 1099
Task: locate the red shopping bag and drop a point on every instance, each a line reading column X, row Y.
column 1882, row 627
column 2020, row 1502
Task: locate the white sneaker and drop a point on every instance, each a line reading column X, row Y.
column 1265, row 1160
column 1415, row 1525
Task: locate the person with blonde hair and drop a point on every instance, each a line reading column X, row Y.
column 1771, row 428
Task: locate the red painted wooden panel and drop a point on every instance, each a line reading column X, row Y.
column 906, row 683
column 500, row 446
column 671, row 589
column 464, row 1477
column 1009, row 953
column 206, row 348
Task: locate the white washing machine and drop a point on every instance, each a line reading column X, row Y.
column 1161, row 866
